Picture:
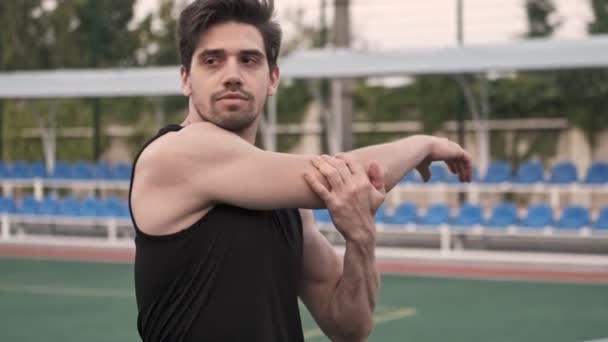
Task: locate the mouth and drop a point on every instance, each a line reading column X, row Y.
column 233, row 97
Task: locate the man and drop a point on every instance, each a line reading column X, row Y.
column 220, row 253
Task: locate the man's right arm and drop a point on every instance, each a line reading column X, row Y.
column 217, row 166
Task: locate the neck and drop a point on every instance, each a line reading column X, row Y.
column 248, row 133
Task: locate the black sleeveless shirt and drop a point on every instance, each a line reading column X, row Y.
column 232, row 276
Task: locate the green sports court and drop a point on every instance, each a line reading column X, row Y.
column 45, row 300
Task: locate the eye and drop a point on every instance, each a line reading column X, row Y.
column 248, row 60
column 210, row 61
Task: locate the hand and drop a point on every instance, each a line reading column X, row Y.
column 457, row 159
column 353, row 195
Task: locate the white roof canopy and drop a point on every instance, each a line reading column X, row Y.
column 541, row 54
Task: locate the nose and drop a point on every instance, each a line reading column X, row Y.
column 233, row 79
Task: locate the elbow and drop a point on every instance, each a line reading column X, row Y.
column 354, row 330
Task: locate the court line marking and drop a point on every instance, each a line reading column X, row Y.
column 66, row 291
column 378, row 319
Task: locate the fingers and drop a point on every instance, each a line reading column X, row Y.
column 329, row 172
column 353, row 164
column 339, row 165
column 318, row 188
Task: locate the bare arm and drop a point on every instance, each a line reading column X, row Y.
column 211, row 165
column 342, row 297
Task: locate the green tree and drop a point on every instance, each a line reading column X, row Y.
column 541, row 18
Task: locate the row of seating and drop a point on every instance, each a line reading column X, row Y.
column 528, row 172
column 80, row 170
column 502, row 216
column 68, row 206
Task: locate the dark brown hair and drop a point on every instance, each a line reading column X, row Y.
column 200, row 15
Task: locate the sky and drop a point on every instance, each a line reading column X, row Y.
column 392, row 24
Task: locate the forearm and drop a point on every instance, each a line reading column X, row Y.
column 396, row 158
column 354, row 299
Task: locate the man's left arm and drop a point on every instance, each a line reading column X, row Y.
column 340, row 295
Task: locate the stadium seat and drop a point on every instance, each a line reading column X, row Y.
column 435, row 214
column 82, row 170
column 111, row 207
column 69, row 206
column 62, row 170
column 4, row 170
column 597, row 173
column 380, row 216
column 7, row 205
column 89, row 207
column 19, row 170
column 122, row 171
column 503, row 215
column 38, row 169
column 321, row 216
column 469, row 215
column 49, row 206
column 563, row 173
column 124, row 210
column 438, row 173
column 405, row 213
column 573, row 217
column 412, row 177
column 602, row 219
column 102, row 170
column 529, row 172
column 498, row 171
column 28, row 206
column 538, row 216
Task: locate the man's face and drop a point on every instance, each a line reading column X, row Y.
column 229, row 77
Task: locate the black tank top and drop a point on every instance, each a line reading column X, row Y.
column 232, row 276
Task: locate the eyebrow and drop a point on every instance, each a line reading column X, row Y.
column 221, row 52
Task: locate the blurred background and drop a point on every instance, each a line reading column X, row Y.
column 521, row 84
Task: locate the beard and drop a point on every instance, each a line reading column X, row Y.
column 232, row 117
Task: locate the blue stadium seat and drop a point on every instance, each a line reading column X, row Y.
column 62, row 170
column 498, row 171
column 7, row 205
column 38, row 169
column 82, row 170
column 102, row 170
column 380, row 216
column 503, row 215
column 124, row 210
column 28, row 206
column 4, row 170
column 69, row 206
column 574, row 217
column 602, row 219
column 538, row 216
column 122, row 171
column 597, row 173
column 412, row 177
column 469, row 215
column 321, row 216
column 49, row 206
column 405, row 213
column 436, row 214
column 110, row 207
column 19, row 169
column 563, row 173
column 89, row 207
column 529, row 172
column 438, row 173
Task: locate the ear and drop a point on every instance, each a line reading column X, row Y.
column 274, row 81
column 185, row 77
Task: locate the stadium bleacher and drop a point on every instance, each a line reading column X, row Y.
column 79, row 170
